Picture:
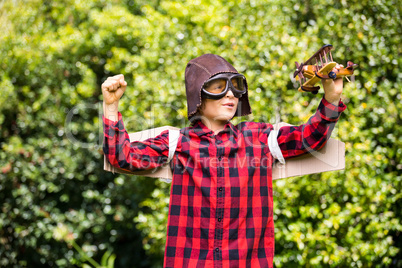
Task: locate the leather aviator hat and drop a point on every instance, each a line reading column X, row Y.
column 201, row 69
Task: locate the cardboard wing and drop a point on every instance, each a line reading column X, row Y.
column 331, row 157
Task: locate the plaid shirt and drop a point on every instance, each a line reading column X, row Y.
column 221, row 202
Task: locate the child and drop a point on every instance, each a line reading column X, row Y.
column 221, row 202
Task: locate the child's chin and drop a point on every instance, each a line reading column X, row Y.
column 225, row 116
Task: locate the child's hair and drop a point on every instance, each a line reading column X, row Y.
column 198, row 113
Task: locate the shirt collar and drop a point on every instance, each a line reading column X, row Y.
column 200, row 129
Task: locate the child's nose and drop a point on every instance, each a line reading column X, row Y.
column 229, row 93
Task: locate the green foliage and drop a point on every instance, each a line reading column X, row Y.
column 56, row 54
column 61, row 233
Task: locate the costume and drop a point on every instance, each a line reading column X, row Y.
column 221, row 201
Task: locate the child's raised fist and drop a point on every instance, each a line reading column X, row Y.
column 333, row 88
column 113, row 88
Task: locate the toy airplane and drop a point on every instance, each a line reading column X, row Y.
column 320, row 66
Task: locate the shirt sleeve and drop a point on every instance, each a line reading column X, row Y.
column 297, row 140
column 133, row 156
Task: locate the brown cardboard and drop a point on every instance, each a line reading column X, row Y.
column 330, row 157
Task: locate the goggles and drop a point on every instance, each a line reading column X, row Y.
column 217, row 86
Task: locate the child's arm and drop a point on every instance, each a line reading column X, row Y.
column 297, row 140
column 116, row 144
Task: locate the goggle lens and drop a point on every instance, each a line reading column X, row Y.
column 238, row 83
column 216, row 85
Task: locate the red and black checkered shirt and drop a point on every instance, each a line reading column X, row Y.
column 221, row 203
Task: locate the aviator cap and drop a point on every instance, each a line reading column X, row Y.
column 201, row 69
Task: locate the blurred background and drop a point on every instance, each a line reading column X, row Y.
column 60, row 209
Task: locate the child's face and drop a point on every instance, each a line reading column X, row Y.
column 222, row 109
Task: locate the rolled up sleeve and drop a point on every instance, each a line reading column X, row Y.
column 133, row 156
column 297, row 140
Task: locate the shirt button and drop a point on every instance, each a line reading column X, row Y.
column 220, row 189
column 217, row 249
column 219, row 219
column 220, row 158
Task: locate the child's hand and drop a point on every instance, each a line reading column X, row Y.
column 113, row 88
column 333, row 88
